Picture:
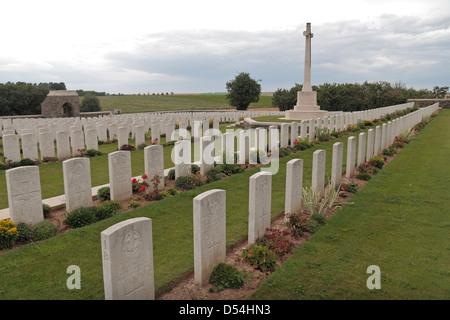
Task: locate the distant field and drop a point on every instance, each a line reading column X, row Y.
column 136, row 103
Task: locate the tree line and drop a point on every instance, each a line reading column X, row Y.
column 355, row 96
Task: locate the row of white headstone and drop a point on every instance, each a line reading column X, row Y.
column 23, row 183
column 127, row 247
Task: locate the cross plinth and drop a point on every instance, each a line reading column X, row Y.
column 306, row 107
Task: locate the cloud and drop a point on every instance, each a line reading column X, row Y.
column 130, row 56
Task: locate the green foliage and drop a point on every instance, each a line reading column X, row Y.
column 286, row 99
column 312, row 226
column 21, row 98
column 212, row 175
column 350, row 187
column 113, row 206
column 26, row 233
column 302, row 144
column 87, row 215
column 242, row 91
column 188, row 182
column 226, row 276
column 8, row 234
column 364, row 176
column 320, row 219
column 228, row 169
column 171, row 174
column 277, row 240
column 45, row 209
column 260, row 257
column 377, row 162
column 173, row 191
column 45, row 229
column 90, row 103
column 164, row 194
column 388, row 152
column 195, row 168
column 81, row 217
column 322, row 134
column 133, row 204
column 103, row 194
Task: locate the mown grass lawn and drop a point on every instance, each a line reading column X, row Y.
column 399, row 222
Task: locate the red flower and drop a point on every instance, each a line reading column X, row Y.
column 134, row 180
column 342, row 188
column 144, row 176
column 156, row 139
column 143, row 188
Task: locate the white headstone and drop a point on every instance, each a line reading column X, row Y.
column 318, row 170
column 127, row 256
column 336, row 164
column 154, row 165
column 119, row 166
column 24, row 195
column 351, row 157
column 209, row 233
column 260, row 205
column 294, row 184
column 77, row 183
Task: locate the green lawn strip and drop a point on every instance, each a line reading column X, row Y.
column 399, row 222
column 26, row 270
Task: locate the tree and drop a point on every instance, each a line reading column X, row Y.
column 242, row 91
column 440, row 92
column 284, row 99
column 90, row 103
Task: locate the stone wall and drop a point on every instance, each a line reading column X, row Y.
column 443, row 103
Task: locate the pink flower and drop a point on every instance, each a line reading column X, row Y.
column 342, row 188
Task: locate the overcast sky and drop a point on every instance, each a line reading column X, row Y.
column 196, row 46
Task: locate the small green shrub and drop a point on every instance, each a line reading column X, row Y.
column 212, row 176
column 142, row 146
column 350, row 187
column 377, row 162
column 297, row 225
column 195, row 168
column 26, row 233
column 92, row 153
column 103, row 212
column 364, row 176
column 114, row 206
column 45, row 209
column 133, row 204
column 165, row 194
column 81, row 217
column 171, row 174
column 225, row 276
column 45, row 229
column 302, row 144
column 319, row 218
column 260, row 257
column 27, row 162
column 103, row 194
column 188, row 182
column 388, row 152
column 312, row 226
column 173, row 191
